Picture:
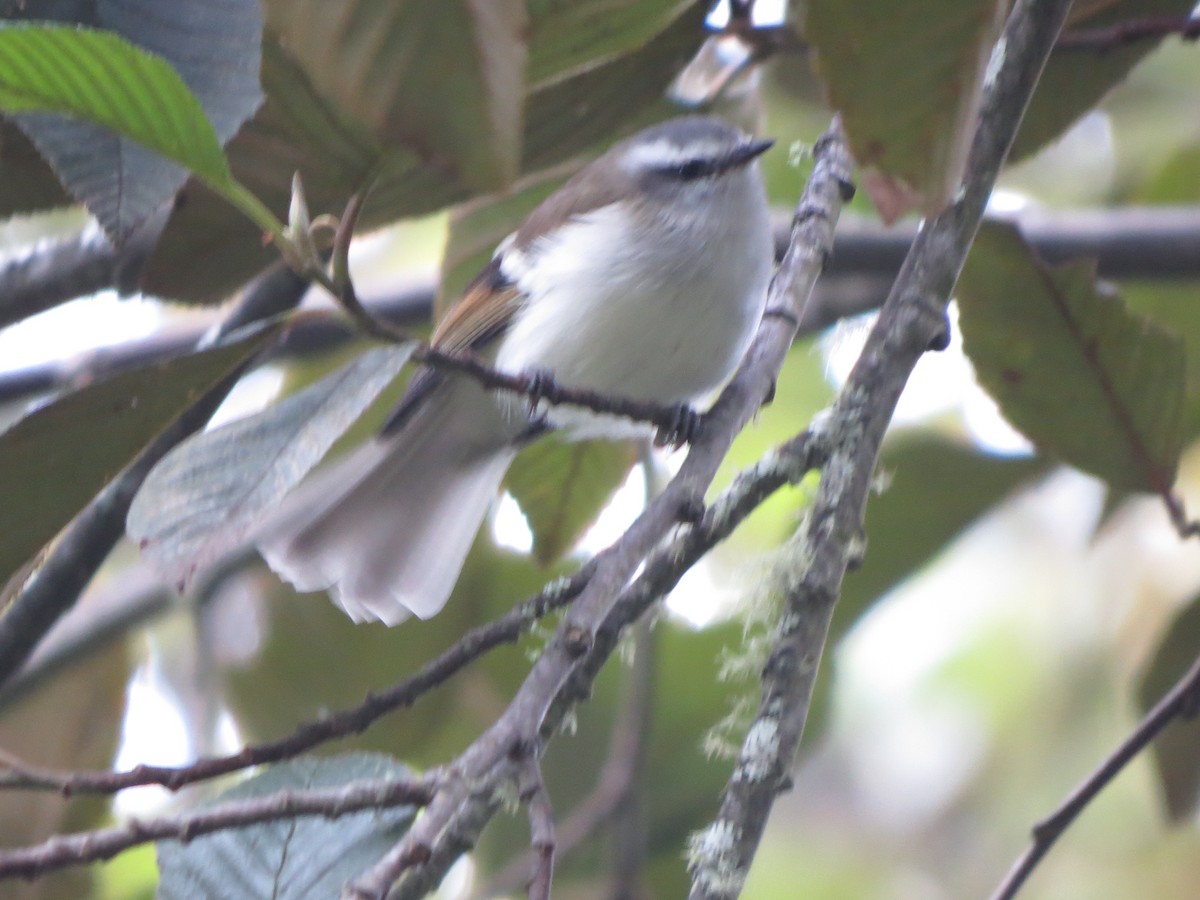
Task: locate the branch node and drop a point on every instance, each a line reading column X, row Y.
column 576, row 641
column 691, row 510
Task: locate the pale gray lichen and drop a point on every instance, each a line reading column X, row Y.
column 760, row 751
column 508, row 796
column 720, row 741
column 799, row 153
column 712, row 860
column 995, row 61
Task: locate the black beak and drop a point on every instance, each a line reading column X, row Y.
column 744, row 153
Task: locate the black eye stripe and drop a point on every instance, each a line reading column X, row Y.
column 692, row 169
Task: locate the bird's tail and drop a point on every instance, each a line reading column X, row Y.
column 387, row 530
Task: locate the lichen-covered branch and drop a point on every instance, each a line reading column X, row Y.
column 912, row 321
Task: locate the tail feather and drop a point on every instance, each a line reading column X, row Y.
column 387, row 530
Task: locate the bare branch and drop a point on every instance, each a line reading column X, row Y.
column 912, row 321
column 1181, row 702
column 1184, row 527
column 541, row 826
column 62, row 851
column 506, row 629
column 50, row 272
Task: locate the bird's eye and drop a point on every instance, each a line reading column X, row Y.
column 692, row 169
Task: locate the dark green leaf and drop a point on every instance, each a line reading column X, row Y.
column 1082, row 377
column 29, row 184
column 561, row 488
column 1173, row 305
column 567, row 38
column 57, row 458
column 1175, row 755
column 934, row 489
column 123, row 183
column 208, row 493
column 907, row 87
column 103, row 79
column 289, row 859
column 443, row 77
column 1075, row 80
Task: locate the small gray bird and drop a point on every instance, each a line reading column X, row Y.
column 643, row 277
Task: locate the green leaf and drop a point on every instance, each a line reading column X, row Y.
column 101, row 78
column 1175, row 756
column 295, row 858
column 53, row 461
column 1177, row 182
column 567, row 38
column 934, row 489
column 1172, row 304
column 443, row 77
column 1075, row 80
column 207, row 494
column 561, row 488
column 1083, row 378
column 29, row 184
column 122, row 183
column 907, row 87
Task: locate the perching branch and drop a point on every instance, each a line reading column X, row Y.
column 912, row 321
column 92, row 846
column 1181, row 702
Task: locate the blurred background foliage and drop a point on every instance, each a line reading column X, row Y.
column 988, row 653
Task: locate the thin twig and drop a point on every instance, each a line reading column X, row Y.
column 1112, row 37
column 62, row 851
column 505, row 629
column 1181, row 702
column 622, row 763
column 625, row 777
column 1184, row 526
column 536, row 798
column 912, row 321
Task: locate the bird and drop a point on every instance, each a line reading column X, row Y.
column 643, row 277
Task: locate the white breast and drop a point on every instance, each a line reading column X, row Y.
column 665, row 317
